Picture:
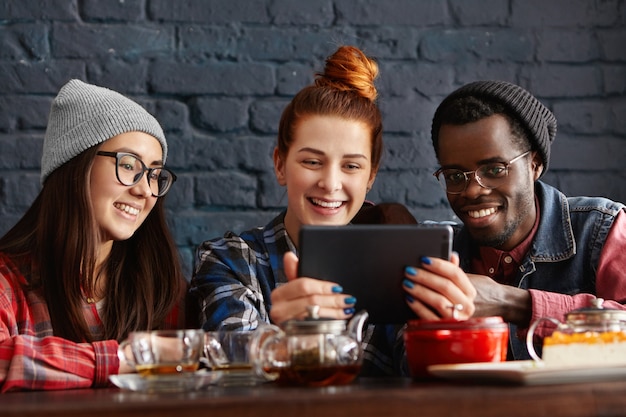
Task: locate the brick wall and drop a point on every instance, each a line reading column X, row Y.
column 217, row 74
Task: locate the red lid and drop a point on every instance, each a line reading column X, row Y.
column 451, row 324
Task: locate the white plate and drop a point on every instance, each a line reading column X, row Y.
column 191, row 381
column 527, row 373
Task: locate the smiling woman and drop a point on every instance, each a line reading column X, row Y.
column 92, row 259
column 327, row 155
column 121, row 204
column 327, row 173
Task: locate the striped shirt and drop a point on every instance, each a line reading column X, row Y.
column 235, row 275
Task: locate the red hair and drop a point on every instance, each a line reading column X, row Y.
column 345, row 89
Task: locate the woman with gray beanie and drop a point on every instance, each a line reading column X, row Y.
column 92, row 259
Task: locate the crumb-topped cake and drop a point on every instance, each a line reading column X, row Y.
column 585, row 348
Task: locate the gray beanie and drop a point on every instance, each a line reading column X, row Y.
column 84, row 115
column 534, row 116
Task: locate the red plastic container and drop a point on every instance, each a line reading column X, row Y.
column 481, row 339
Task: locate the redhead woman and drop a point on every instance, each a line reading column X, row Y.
column 327, row 157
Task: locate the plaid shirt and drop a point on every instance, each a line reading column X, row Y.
column 235, row 275
column 31, row 358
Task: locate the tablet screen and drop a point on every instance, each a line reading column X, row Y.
column 368, row 261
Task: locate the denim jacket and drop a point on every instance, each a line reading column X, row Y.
column 565, row 252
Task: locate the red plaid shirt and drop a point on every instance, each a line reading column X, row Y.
column 31, row 358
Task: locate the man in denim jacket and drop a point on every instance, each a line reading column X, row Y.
column 534, row 252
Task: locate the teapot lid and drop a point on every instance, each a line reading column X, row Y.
column 314, row 324
column 596, row 314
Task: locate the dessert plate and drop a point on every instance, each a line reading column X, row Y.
column 191, row 381
column 528, row 373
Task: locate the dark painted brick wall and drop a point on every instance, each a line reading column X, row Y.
column 217, row 74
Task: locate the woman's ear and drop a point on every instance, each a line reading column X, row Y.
column 370, row 183
column 279, row 168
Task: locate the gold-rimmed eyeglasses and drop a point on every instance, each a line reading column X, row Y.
column 489, row 176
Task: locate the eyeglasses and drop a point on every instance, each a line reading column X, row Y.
column 489, row 176
column 129, row 171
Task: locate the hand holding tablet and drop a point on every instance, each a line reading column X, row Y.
column 368, row 261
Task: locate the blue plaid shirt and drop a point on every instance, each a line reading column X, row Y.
column 234, row 276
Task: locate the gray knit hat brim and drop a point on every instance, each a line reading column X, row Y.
column 84, row 115
column 536, row 118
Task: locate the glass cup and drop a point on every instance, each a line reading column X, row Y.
column 163, row 352
column 227, row 351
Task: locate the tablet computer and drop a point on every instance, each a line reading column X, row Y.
column 368, row 261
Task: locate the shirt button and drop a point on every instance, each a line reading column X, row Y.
column 508, row 259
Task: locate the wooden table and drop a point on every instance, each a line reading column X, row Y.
column 366, row 397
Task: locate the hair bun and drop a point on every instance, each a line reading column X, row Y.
column 349, row 69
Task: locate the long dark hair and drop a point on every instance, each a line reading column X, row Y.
column 144, row 278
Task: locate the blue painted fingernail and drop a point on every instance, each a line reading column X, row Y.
column 409, row 299
column 426, row 260
column 337, row 289
column 410, row 270
column 350, row 300
column 408, row 283
column 348, row 310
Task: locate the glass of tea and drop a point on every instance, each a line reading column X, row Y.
column 163, row 352
column 227, row 351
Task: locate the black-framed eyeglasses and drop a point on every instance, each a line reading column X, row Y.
column 129, row 171
column 489, row 176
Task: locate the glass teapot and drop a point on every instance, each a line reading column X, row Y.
column 311, row 352
column 594, row 318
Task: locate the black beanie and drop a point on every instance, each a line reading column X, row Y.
column 534, row 116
